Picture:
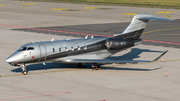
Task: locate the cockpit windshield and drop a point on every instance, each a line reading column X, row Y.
column 25, row 48
column 30, row 48
column 22, row 49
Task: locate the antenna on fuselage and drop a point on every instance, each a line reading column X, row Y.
column 52, row 39
column 86, row 37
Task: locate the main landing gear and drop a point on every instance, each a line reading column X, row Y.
column 81, row 65
column 95, row 66
column 24, row 71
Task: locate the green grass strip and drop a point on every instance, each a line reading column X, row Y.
column 160, row 3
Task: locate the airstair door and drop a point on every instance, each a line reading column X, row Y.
column 43, row 52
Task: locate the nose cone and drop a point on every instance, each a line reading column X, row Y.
column 10, row 59
column 13, row 58
column 7, row 60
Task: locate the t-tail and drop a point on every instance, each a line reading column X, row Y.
column 137, row 26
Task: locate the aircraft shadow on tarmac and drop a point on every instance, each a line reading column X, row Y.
column 134, row 53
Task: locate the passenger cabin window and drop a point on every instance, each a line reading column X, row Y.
column 85, row 47
column 59, row 49
column 79, row 48
column 72, row 48
column 53, row 50
column 22, row 48
column 99, row 45
column 30, row 48
column 66, row 48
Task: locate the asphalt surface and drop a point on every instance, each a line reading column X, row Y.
column 67, row 82
column 168, row 31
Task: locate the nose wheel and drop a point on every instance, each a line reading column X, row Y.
column 24, row 71
column 95, row 66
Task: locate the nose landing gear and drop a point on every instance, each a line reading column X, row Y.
column 24, row 71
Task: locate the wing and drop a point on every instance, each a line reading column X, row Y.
column 113, row 61
column 105, row 61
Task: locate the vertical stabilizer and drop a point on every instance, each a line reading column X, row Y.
column 137, row 26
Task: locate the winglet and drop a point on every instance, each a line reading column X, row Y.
column 156, row 59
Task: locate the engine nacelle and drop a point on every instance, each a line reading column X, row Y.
column 117, row 43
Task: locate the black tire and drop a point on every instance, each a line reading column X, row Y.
column 93, row 68
column 97, row 67
column 25, row 72
column 80, row 65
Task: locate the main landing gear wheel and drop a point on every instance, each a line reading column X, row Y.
column 95, row 66
column 81, row 65
column 24, row 71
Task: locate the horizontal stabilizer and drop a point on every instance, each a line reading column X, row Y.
column 154, row 18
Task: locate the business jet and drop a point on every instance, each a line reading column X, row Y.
column 92, row 50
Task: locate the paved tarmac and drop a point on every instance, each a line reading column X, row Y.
column 66, row 82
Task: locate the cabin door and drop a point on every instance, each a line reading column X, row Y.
column 43, row 53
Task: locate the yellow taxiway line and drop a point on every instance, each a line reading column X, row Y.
column 29, row 4
column 2, row 5
column 42, row 72
column 159, row 34
column 165, row 12
column 115, row 65
column 129, row 14
column 160, row 30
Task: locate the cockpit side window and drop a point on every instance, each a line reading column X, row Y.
column 22, row 48
column 30, row 48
